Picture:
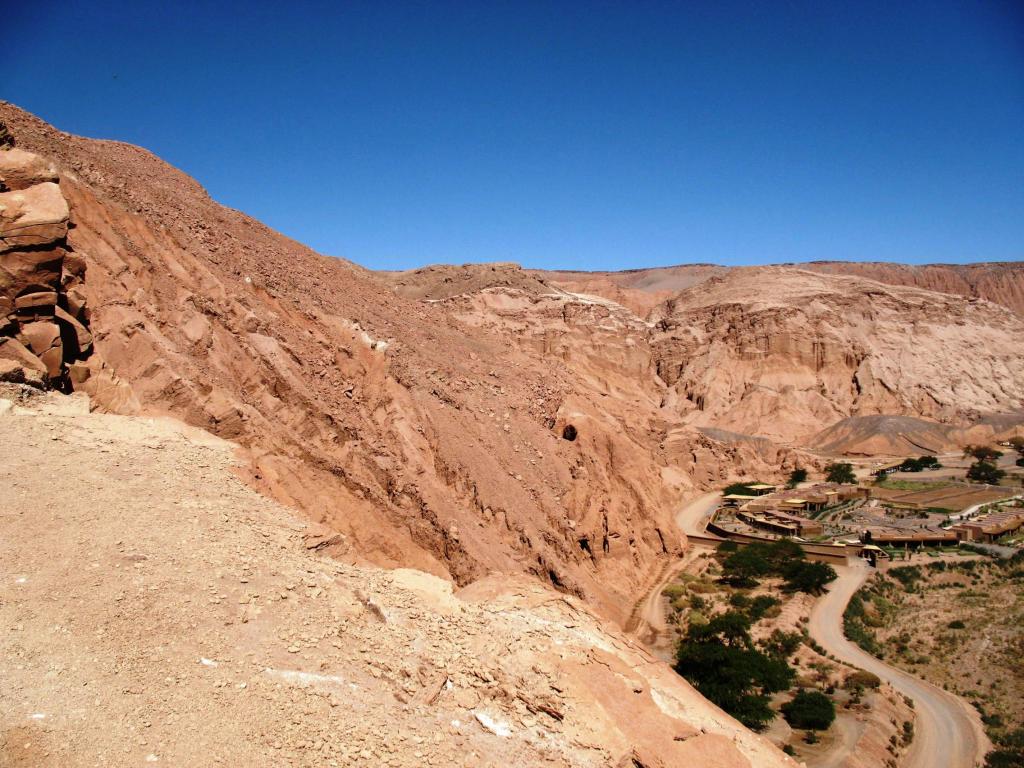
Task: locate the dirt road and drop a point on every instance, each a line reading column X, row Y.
column 692, row 517
column 947, row 731
column 647, row 622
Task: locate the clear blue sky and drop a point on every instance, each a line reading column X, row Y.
column 578, row 135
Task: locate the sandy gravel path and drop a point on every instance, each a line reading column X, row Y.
column 947, row 731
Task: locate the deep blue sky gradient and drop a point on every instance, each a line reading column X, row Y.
column 563, row 135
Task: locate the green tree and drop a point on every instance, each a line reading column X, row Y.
column 1009, row 751
column 982, row 452
column 797, row 476
column 809, row 710
column 744, row 566
column 720, row 660
column 840, row 472
column 984, row 472
column 807, row 576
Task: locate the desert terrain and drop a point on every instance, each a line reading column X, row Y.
column 150, row 593
column 242, row 472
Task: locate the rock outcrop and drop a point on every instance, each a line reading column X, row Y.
column 44, row 326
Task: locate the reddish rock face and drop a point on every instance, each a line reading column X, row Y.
column 42, row 302
column 20, row 170
column 34, row 216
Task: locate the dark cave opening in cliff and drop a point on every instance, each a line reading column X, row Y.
column 569, row 433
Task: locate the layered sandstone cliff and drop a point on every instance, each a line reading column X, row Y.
column 1000, row 283
column 784, row 353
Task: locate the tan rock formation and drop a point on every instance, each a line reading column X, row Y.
column 1000, row 283
column 425, row 415
column 426, row 441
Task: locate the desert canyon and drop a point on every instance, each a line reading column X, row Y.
column 401, row 518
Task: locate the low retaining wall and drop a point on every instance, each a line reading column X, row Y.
column 824, row 553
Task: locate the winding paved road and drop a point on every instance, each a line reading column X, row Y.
column 947, row 731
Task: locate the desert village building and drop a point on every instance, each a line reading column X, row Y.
column 990, row 527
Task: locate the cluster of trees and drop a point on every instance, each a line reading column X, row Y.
column 984, row 469
column 1008, row 752
column 797, row 476
column 919, row 465
column 721, row 660
column 745, row 565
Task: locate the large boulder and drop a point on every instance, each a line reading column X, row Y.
column 32, row 217
column 44, row 339
column 14, row 350
column 20, row 169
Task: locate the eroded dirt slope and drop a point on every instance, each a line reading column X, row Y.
column 157, row 611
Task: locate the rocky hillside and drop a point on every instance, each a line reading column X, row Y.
column 784, row 353
column 157, row 611
column 425, row 440
column 461, row 420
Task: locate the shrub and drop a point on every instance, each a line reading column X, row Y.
column 809, row 710
column 956, row 624
column 781, row 644
column 760, row 606
column 739, row 600
column 672, row 591
column 861, row 679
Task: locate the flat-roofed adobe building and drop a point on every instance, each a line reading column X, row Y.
column 990, row 527
column 780, row 523
column 908, row 537
column 736, row 499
